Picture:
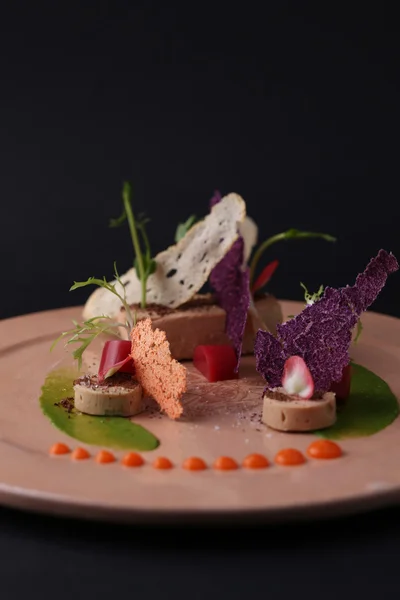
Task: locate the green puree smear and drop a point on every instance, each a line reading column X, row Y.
column 370, row 407
column 118, row 433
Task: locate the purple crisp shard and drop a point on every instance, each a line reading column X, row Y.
column 232, row 286
column 321, row 333
column 216, row 198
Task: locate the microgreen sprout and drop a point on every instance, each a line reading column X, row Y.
column 183, row 228
column 311, row 298
column 144, row 264
column 359, row 328
column 85, row 333
column 111, row 287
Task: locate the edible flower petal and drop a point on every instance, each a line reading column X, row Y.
column 265, row 275
column 297, row 378
column 116, row 356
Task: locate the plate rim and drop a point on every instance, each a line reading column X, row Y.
column 63, row 506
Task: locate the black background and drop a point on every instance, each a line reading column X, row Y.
column 295, row 108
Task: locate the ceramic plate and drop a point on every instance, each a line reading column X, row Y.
column 219, row 419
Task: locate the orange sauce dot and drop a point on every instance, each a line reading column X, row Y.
column 132, row 459
column 104, row 456
column 80, row 454
column 324, row 449
column 162, row 463
column 194, row 464
column 289, row 457
column 255, row 461
column 225, row 463
column 59, row 448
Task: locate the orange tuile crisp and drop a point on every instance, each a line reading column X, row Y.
column 161, row 376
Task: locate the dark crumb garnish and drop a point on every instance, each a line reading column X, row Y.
column 67, row 404
column 198, row 301
column 92, row 381
column 283, row 397
column 255, row 417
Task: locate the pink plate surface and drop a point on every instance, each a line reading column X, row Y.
column 219, row 419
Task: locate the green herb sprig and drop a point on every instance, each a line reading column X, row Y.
column 85, row 333
column 359, row 329
column 144, row 264
column 311, row 298
column 183, row 228
column 111, row 287
column 290, row 234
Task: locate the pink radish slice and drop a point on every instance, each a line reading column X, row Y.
column 297, row 379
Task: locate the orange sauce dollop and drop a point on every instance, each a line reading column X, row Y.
column 59, row 448
column 289, row 457
column 225, row 463
column 132, row 459
column 324, row 449
column 104, row 456
column 194, row 463
column 162, row 463
column 255, row 461
column 80, row 454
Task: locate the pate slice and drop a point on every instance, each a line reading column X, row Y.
column 183, row 268
column 119, row 396
column 286, row 412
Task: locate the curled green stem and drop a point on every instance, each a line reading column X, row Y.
column 285, row 235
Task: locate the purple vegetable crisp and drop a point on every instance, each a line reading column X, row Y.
column 232, row 286
column 321, row 334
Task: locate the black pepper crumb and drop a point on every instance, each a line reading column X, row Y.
column 66, row 403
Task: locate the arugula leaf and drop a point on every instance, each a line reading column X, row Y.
column 183, row 228
column 290, row 234
column 311, row 298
